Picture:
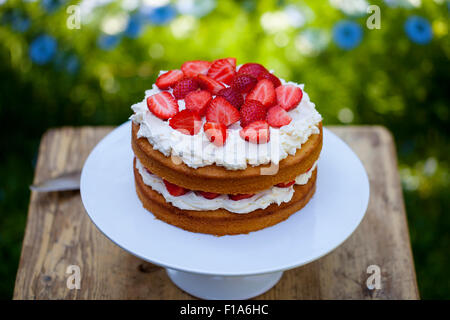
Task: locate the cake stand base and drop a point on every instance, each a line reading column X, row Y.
column 223, row 287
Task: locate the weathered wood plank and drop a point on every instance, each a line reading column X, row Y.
column 59, row 233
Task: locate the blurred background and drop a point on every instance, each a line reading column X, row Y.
column 55, row 74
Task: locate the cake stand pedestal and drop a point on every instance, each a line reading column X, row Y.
column 223, row 287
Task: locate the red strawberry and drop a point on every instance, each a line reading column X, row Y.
column 264, row 92
column 220, row 110
column 208, row 195
column 270, row 76
column 232, row 96
column 278, row 117
column 186, row 122
column 169, row 79
column 198, row 101
column 216, row 132
column 285, row 185
column 289, row 96
column 252, row 111
column 193, row 68
column 175, row 190
column 252, row 69
column 183, row 87
column 256, row 132
column 232, row 61
column 148, row 171
column 243, row 83
column 209, row 84
column 163, row 105
column 221, row 70
column 241, row 196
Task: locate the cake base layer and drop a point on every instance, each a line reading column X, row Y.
column 222, row 222
column 218, row 179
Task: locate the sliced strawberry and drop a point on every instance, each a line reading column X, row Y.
column 209, row 84
column 243, row 83
column 148, row 171
column 252, row 111
column 232, row 61
column 220, row 110
column 175, row 190
column 221, row 70
column 163, row 105
column 208, row 195
column 232, row 96
column 186, row 122
column 289, row 96
column 241, row 196
column 198, row 101
column 169, row 79
column 216, row 132
column 183, row 87
column 278, row 117
column 264, row 92
column 256, row 132
column 270, row 76
column 253, row 69
column 193, row 68
column 285, row 185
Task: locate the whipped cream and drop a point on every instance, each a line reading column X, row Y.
column 197, row 151
column 192, row 201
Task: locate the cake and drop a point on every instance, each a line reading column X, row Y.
column 224, row 149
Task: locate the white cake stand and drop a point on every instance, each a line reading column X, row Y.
column 228, row 267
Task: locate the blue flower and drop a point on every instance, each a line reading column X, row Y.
column 108, row 42
column 418, row 29
column 347, row 34
column 134, row 27
column 161, row 15
column 42, row 49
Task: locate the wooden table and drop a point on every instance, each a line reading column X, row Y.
column 59, row 233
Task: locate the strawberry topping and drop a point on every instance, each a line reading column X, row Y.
column 209, row 84
column 221, row 70
column 285, row 185
column 289, row 96
column 256, row 132
column 278, row 117
column 241, row 196
column 252, row 69
column 232, row 61
column 183, row 87
column 208, row 195
column 216, row 132
column 243, row 83
column 169, row 79
column 220, row 110
column 175, row 190
column 186, row 122
column 198, row 101
column 232, row 96
column 163, row 105
column 264, row 92
column 252, row 111
column 193, row 68
column 270, row 76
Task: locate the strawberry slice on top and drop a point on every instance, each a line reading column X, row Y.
column 270, row 76
column 209, row 84
column 222, row 70
column 288, row 96
column 252, row 111
column 264, row 92
column 278, row 117
column 243, row 83
column 196, row 67
column 169, row 79
column 221, row 111
column 257, row 132
column 163, row 105
column 184, row 86
column 252, row 69
column 232, row 96
column 198, row 101
column 186, row 122
column 216, row 132
column 232, row 61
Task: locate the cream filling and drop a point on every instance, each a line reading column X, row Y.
column 197, row 151
column 192, row 201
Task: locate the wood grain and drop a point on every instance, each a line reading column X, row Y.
column 59, row 233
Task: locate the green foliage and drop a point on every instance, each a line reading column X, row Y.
column 387, row 79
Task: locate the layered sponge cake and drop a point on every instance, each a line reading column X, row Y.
column 225, row 150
